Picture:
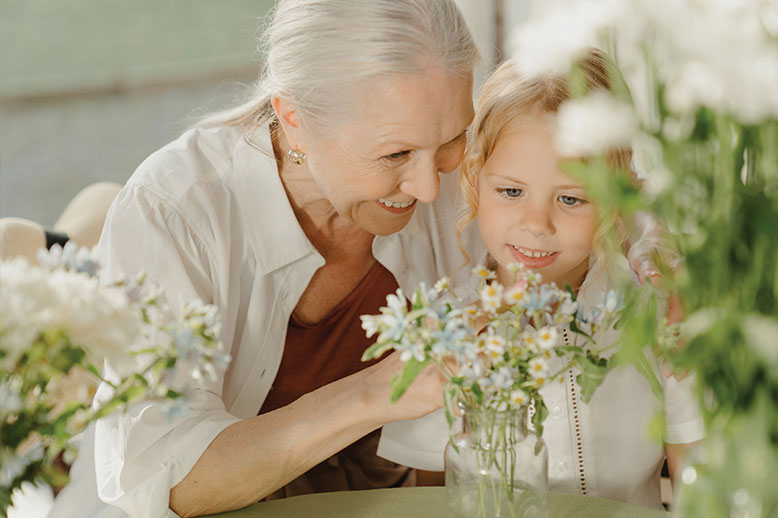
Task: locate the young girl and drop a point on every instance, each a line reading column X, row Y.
column 529, row 211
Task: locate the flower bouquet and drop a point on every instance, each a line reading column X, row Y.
column 705, row 126
column 497, row 353
column 57, row 326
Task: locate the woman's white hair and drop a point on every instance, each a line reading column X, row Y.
column 317, row 52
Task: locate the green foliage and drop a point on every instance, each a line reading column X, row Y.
column 403, row 380
column 593, row 371
column 721, row 205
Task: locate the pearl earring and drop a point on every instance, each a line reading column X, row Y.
column 296, row 156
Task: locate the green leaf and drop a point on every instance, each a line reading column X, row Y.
column 376, row 350
column 133, row 393
column 539, row 417
column 591, row 376
column 641, row 362
column 477, row 392
column 450, row 399
column 5, row 501
column 417, row 299
column 402, row 381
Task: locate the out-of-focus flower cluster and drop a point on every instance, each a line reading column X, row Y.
column 718, row 54
column 703, row 78
column 58, row 328
column 499, row 350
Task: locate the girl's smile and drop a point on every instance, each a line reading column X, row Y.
column 532, row 258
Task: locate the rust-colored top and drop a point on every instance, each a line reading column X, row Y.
column 318, row 354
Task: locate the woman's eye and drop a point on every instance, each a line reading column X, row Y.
column 570, row 201
column 398, row 155
column 512, row 192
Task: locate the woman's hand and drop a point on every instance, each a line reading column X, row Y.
column 425, row 394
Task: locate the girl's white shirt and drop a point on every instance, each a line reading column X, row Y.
column 207, row 217
column 602, row 448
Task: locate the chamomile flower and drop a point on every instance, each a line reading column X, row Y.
column 484, row 273
column 491, row 297
column 538, row 367
column 547, row 338
column 531, row 343
column 495, row 346
column 519, row 397
column 442, row 285
column 515, row 295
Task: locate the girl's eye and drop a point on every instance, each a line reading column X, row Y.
column 512, row 192
column 571, row 201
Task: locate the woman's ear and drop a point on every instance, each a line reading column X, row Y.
column 289, row 120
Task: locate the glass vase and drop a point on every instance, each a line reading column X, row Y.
column 496, row 467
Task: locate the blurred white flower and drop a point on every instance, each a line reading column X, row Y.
column 78, row 386
column 569, row 307
column 30, row 501
column 594, row 124
column 370, row 324
column 495, row 346
column 550, row 42
column 10, row 402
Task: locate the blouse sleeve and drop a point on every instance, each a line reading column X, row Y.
column 417, row 443
column 682, row 412
column 141, row 454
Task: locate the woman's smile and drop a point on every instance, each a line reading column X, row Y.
column 396, row 207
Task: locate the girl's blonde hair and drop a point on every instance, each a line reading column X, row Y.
column 318, row 52
column 506, row 97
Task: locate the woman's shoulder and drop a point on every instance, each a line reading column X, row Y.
column 202, row 168
column 198, row 155
column 195, row 178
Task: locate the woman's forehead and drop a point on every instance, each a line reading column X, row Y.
column 421, row 110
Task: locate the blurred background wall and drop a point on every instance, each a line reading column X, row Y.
column 89, row 88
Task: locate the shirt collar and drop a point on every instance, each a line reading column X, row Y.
column 275, row 235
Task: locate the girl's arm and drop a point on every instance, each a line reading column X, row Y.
column 676, row 457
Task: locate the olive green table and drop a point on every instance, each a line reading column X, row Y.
column 421, row 502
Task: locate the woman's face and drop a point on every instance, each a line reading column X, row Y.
column 531, row 212
column 375, row 168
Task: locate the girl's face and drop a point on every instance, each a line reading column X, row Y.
column 530, row 212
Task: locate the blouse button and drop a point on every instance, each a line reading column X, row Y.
column 562, row 466
column 556, row 412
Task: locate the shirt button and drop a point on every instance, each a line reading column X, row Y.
column 556, row 412
column 562, row 466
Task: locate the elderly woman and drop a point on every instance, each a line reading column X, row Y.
column 294, row 214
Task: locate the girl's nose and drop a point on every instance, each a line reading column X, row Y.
column 536, row 220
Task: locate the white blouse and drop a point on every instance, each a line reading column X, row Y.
column 207, row 216
column 601, row 448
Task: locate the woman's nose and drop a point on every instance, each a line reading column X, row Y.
column 422, row 183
